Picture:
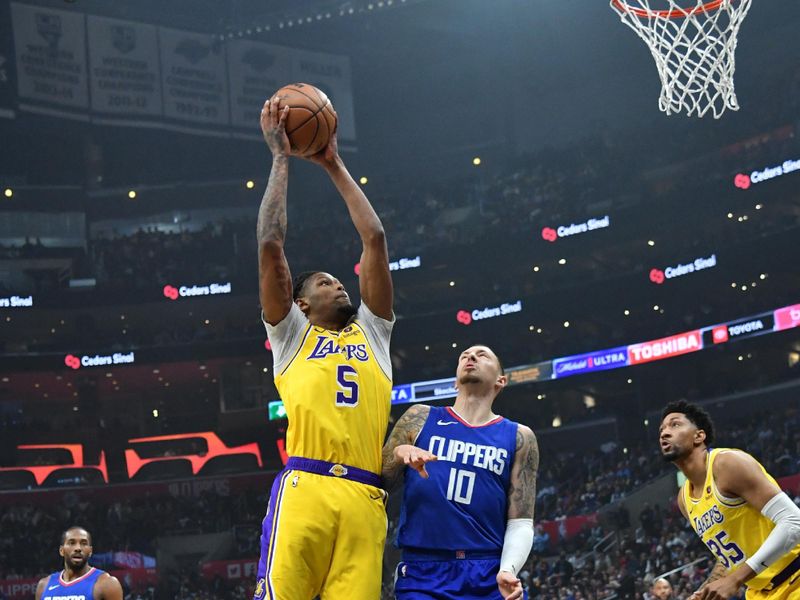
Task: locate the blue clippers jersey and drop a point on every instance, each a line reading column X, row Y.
column 77, row 589
column 464, row 503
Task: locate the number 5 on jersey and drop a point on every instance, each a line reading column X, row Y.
column 347, row 394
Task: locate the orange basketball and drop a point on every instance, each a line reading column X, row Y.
column 311, row 120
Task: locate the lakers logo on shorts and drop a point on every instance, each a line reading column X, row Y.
column 259, row 593
column 338, row 470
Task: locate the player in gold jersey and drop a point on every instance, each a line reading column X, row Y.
column 737, row 509
column 325, row 526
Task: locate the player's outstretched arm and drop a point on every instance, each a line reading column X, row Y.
column 275, row 279
column 108, row 588
column 400, row 452
column 739, row 475
column 521, row 505
column 375, row 280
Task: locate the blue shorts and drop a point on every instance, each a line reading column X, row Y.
column 464, row 579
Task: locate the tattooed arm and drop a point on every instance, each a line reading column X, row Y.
column 399, row 450
column 521, row 503
column 522, row 488
column 275, row 279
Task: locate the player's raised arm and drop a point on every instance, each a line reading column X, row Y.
column 400, row 452
column 375, row 281
column 275, row 279
column 521, row 505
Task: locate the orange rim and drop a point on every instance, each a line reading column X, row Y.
column 677, row 13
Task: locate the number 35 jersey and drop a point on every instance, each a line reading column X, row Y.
column 732, row 529
column 463, row 505
column 336, row 387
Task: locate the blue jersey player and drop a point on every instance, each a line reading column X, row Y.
column 466, row 521
column 78, row 580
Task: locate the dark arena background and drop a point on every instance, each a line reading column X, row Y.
column 534, row 199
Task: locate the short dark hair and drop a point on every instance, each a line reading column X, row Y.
column 299, row 282
column 699, row 417
column 68, row 529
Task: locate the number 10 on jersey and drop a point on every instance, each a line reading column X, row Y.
column 460, row 485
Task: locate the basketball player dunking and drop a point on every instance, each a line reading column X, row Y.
column 325, row 526
column 78, row 579
column 736, row 508
column 466, row 521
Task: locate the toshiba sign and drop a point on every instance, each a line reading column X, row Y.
column 667, row 347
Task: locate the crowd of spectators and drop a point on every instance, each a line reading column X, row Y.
column 592, row 565
column 553, row 185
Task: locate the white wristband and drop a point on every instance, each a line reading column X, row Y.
column 516, row 544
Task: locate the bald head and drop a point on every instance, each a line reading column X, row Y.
column 661, row 589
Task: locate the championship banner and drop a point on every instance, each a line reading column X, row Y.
column 50, row 47
column 6, row 76
column 331, row 74
column 124, row 67
column 255, row 72
column 193, row 77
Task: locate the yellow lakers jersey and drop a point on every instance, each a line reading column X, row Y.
column 336, row 387
column 732, row 529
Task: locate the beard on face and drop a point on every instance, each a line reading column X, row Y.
column 347, row 310
column 77, row 563
column 469, row 378
column 672, row 454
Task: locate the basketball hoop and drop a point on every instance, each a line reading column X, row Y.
column 693, row 48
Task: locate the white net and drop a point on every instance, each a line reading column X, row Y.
column 693, row 47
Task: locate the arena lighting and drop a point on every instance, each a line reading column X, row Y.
column 16, row 302
column 562, row 261
column 476, row 161
column 466, row 317
column 250, row 184
column 363, row 180
column 397, row 265
column 132, row 194
column 8, row 192
column 744, row 181
column 41, row 473
column 211, row 289
column 215, row 447
column 659, row 276
column 99, row 360
column 781, row 319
